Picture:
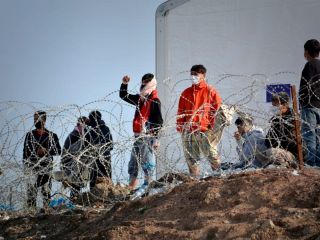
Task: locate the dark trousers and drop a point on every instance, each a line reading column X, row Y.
column 74, row 171
column 75, row 190
column 101, row 168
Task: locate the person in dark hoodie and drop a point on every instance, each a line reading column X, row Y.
column 74, row 157
column 282, row 132
column 309, row 99
column 147, row 123
column 100, row 142
column 280, row 139
column 40, row 146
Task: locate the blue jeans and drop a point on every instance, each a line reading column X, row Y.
column 142, row 155
column 311, row 134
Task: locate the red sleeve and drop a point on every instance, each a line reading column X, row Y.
column 216, row 101
column 180, row 121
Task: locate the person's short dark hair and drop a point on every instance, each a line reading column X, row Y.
column 41, row 114
column 238, row 122
column 147, row 78
column 281, row 97
column 83, row 120
column 95, row 116
column 312, row 46
column 245, row 120
column 198, row 69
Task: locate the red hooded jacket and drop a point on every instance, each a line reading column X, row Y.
column 141, row 115
column 148, row 111
column 197, row 108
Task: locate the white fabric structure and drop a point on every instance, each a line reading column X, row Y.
column 244, row 44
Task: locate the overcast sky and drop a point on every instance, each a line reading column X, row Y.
column 61, row 52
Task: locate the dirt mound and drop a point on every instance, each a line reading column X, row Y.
column 104, row 192
column 266, row 204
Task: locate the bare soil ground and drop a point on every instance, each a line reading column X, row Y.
column 266, row 204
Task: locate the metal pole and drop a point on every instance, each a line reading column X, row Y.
column 297, row 125
column 10, row 198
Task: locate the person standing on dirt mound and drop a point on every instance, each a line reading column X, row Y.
column 99, row 140
column 309, row 99
column 73, row 158
column 147, row 123
column 40, row 146
column 197, row 110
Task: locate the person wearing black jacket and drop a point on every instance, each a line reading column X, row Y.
column 99, row 140
column 147, row 123
column 309, row 99
column 40, row 146
column 74, row 157
column 282, row 132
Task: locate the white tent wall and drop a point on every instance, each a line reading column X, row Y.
column 244, row 44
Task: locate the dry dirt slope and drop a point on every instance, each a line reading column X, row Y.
column 268, row 204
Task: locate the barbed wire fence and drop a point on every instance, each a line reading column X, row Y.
column 246, row 94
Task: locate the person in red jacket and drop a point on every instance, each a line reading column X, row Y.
column 147, row 123
column 198, row 106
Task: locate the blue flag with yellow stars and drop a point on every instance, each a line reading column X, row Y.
column 276, row 88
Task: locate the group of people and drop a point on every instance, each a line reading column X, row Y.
column 201, row 121
column 86, row 154
column 278, row 146
column 201, row 118
column 88, row 147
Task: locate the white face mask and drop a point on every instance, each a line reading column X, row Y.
column 274, row 110
column 195, row 79
column 146, row 91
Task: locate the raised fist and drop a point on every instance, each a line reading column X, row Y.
column 125, row 79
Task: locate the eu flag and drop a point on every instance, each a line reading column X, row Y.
column 276, row 88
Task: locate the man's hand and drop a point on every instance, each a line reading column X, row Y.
column 41, row 152
column 125, row 79
column 237, row 136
